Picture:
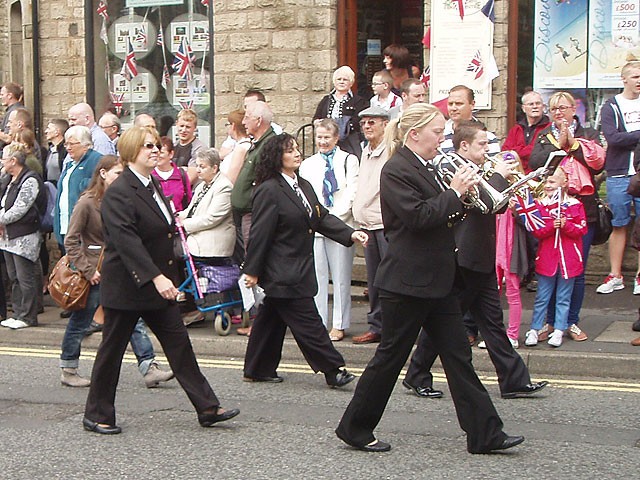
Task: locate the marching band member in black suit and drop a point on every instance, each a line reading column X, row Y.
column 285, row 215
column 415, row 280
column 478, row 286
column 138, row 280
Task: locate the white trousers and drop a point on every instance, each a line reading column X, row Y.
column 337, row 260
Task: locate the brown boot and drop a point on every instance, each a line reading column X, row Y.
column 70, row 378
column 636, row 342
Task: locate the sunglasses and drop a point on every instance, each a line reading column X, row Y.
column 369, row 123
column 150, row 145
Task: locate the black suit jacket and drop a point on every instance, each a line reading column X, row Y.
column 280, row 247
column 418, row 222
column 476, row 234
column 138, row 245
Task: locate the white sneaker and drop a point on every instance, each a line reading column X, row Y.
column 531, row 338
column 555, row 339
column 7, row 322
column 610, row 284
column 514, row 343
column 18, row 324
column 636, row 286
column 482, row 344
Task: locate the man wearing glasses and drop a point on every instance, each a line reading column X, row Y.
column 522, row 135
column 110, row 125
column 367, row 211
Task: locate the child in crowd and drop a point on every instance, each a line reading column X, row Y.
column 511, row 262
column 559, row 258
column 382, row 83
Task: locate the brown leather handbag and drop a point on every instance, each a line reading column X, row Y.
column 67, row 286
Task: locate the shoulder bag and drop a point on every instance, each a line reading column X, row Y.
column 603, row 225
column 67, row 286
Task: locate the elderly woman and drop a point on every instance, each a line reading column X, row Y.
column 207, row 219
column 333, row 173
column 286, row 213
column 138, row 280
column 173, row 180
column 344, row 106
column 20, row 240
column 75, row 177
column 561, row 135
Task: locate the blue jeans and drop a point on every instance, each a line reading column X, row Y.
column 142, row 347
column 79, row 321
column 577, row 297
column 547, row 287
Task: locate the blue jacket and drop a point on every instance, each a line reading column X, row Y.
column 78, row 182
column 620, row 143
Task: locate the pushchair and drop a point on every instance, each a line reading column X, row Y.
column 214, row 288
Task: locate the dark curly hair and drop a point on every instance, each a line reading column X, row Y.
column 270, row 163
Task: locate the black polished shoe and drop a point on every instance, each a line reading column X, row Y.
column 375, row 446
column 104, row 430
column 93, row 328
column 339, row 378
column 510, row 441
column 275, row 379
column 208, row 419
column 533, row 387
column 424, row 392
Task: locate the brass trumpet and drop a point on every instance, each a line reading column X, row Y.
column 472, row 198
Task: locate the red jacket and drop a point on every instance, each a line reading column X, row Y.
column 517, row 142
column 568, row 254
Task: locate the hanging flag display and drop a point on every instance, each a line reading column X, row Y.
column 129, row 67
column 183, row 61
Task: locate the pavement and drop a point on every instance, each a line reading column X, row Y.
column 606, row 319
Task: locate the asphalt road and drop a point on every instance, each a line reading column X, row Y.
column 576, row 429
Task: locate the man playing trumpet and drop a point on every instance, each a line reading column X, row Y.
column 478, row 293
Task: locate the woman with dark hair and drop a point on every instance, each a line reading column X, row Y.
column 138, row 280
column 285, row 215
column 397, row 61
column 173, row 180
column 20, row 236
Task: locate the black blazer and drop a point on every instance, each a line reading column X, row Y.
column 418, row 223
column 476, row 234
column 280, row 247
column 138, row 245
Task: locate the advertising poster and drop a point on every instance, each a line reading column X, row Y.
column 136, row 91
column 614, row 39
column 139, row 34
column 462, row 49
column 197, row 33
column 560, row 44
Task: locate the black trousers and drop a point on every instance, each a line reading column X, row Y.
column 264, row 350
column 478, row 294
column 402, row 317
column 167, row 325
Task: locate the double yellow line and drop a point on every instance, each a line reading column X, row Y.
column 574, row 383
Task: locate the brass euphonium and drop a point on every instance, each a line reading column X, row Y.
column 472, row 198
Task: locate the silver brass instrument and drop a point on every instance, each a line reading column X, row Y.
column 472, row 197
column 522, row 181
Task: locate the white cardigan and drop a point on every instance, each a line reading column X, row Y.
column 210, row 230
column 345, row 168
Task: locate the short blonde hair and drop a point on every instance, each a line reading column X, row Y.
column 556, row 97
column 132, row 140
column 346, row 71
column 188, row 115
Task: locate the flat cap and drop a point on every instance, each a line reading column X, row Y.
column 374, row 112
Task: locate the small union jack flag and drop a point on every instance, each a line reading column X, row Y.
column 160, row 38
column 205, row 2
column 188, row 105
column 166, row 77
column 117, row 99
column 129, row 67
column 528, row 212
column 102, row 10
column 183, row 62
column 426, row 76
column 475, row 65
column 141, row 35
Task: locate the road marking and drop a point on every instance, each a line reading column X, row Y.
column 230, row 364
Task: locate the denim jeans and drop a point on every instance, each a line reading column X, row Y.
column 547, row 286
column 142, row 347
column 79, row 321
column 577, row 297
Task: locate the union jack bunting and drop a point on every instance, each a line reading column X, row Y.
column 102, row 10
column 528, row 212
column 141, row 35
column 117, row 99
column 188, row 105
column 129, row 67
column 183, row 61
column 475, row 65
column 205, row 2
column 160, row 38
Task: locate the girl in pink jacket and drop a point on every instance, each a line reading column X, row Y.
column 559, row 258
